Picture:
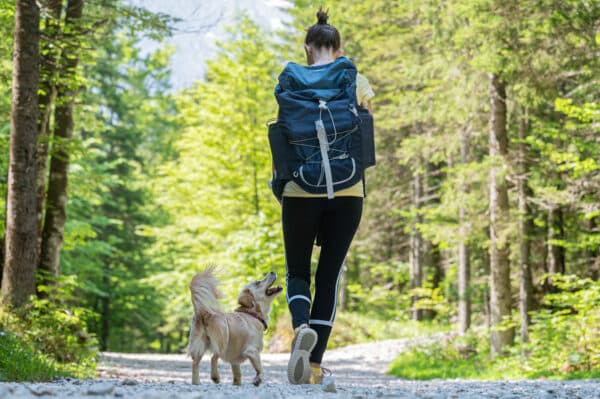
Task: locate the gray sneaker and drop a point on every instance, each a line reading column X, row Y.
column 305, row 339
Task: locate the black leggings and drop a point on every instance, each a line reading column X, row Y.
column 335, row 221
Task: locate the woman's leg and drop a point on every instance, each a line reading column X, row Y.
column 300, row 219
column 338, row 225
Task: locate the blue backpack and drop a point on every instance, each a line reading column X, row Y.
column 322, row 139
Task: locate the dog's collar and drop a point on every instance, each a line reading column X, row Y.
column 253, row 314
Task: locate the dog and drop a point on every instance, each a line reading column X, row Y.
column 233, row 337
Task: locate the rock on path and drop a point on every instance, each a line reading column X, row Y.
column 359, row 374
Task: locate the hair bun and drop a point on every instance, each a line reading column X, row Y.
column 322, row 16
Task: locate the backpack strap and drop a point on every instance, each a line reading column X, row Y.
column 324, row 146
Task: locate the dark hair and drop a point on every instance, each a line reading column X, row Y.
column 322, row 34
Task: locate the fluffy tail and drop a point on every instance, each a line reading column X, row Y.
column 205, row 293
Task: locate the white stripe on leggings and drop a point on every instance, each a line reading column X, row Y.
column 337, row 284
column 307, row 299
column 321, row 322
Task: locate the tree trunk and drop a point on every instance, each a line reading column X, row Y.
column 500, row 296
column 525, row 227
column 54, row 223
column 416, row 261
column 168, row 343
column 556, row 253
column 1, row 257
column 18, row 280
column 485, row 293
column 2, row 250
column 49, row 56
column 593, row 254
column 464, row 299
column 105, row 313
column 431, row 261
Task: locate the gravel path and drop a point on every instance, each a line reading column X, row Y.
column 359, row 374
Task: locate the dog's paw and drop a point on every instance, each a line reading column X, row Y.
column 257, row 380
column 215, row 379
column 237, row 382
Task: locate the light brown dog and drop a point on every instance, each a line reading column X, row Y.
column 233, row 337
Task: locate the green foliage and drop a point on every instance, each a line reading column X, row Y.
column 19, row 362
column 384, row 297
column 53, row 332
column 122, row 126
column 354, row 328
column 437, row 361
column 126, row 120
column 58, row 326
column 6, row 29
column 215, row 193
column 564, row 342
column 162, row 184
column 564, row 337
column 431, row 299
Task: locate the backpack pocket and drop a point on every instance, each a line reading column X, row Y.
column 282, row 152
column 311, row 176
column 346, row 168
column 367, row 137
column 341, row 145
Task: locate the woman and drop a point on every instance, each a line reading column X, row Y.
column 306, row 215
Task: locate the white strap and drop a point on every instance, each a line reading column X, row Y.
column 324, row 145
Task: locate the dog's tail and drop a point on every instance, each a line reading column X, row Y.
column 205, row 293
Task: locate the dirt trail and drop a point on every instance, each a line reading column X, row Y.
column 357, row 364
column 359, row 372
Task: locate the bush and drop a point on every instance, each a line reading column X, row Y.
column 376, row 289
column 436, row 361
column 55, row 327
column 564, row 336
column 455, row 356
column 20, row 362
column 564, row 342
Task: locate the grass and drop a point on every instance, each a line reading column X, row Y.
column 434, row 363
column 469, row 358
column 46, row 339
column 19, row 362
column 419, row 366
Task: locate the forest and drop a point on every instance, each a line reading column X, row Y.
column 481, row 218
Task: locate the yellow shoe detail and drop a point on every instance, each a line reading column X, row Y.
column 316, row 375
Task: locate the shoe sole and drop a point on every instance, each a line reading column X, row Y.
column 298, row 366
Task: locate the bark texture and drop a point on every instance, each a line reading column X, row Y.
column 416, row 243
column 464, row 269
column 500, row 295
column 56, row 204
column 593, row 255
column 18, row 279
column 525, row 227
column 556, row 253
column 49, row 57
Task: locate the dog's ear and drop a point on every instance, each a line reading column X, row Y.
column 246, row 299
